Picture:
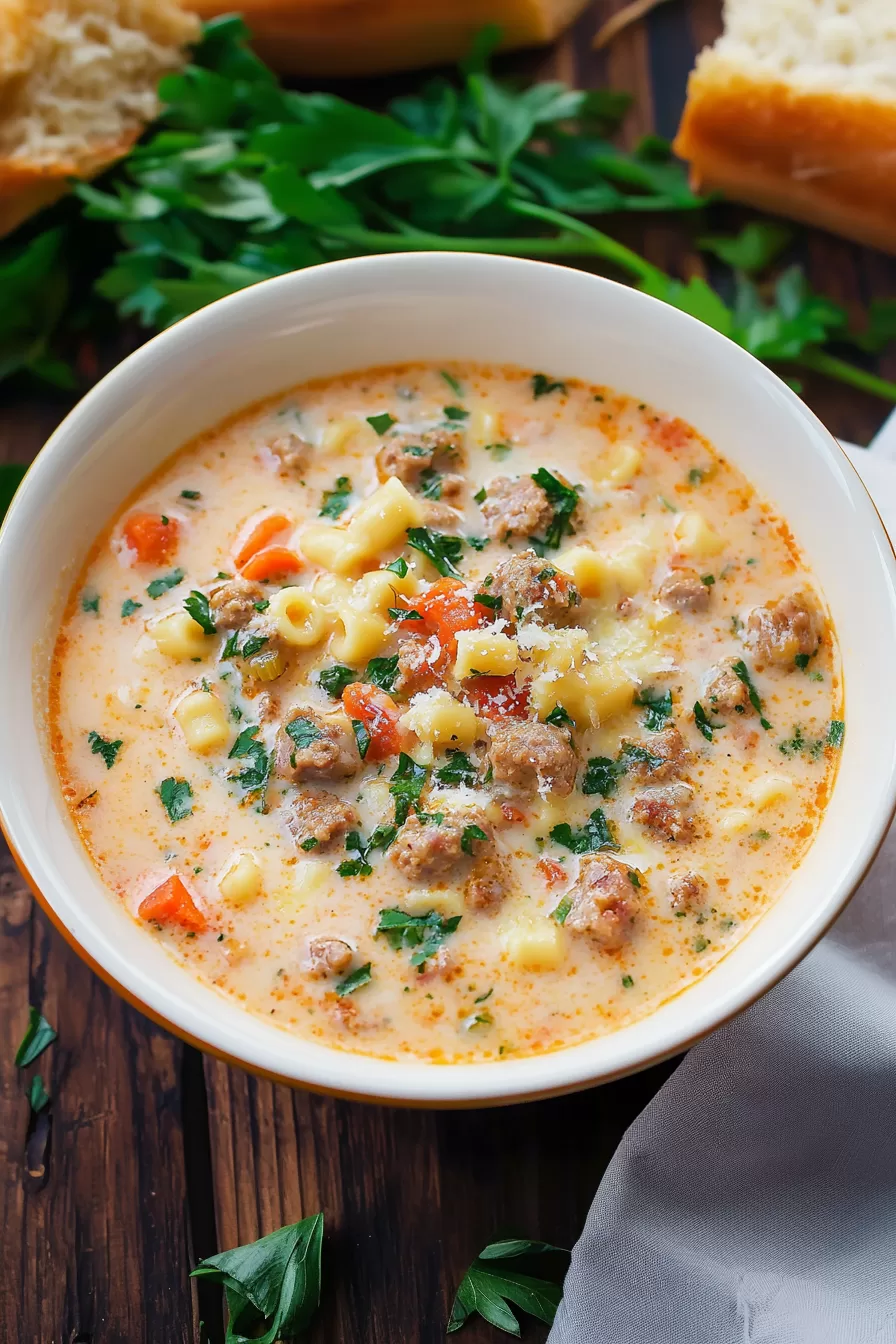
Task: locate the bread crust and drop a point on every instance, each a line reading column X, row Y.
column 825, row 158
column 28, row 187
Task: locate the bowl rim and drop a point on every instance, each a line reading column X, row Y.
column 418, row 1083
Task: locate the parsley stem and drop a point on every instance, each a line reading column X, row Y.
column 841, row 369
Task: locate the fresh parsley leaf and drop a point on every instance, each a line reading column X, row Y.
column 382, row 672
column 335, row 501
column 802, row 660
column 455, row 413
column 424, row 932
column 469, row 837
column 456, row 770
column 564, row 499
column 272, row 1284
column 302, row 731
column 792, row 746
column 559, row 717
column 478, row 543
column 602, row 776
column 758, row 244
column 499, row 450
column 442, row 550
column 190, row 494
column 704, row 723
column 627, row 982
column 197, row 606
column 596, row 834
column 406, row 786
column 90, row 601
column 542, row 386
column 254, row 776
column 335, row 679
column 38, row 1035
column 658, row 705
column 399, row 567
column 101, row 746
column 128, row 607
column 404, row 614
column 176, row 797
column 740, row 671
column 353, row 981
column 38, row 1096
column 380, row 838
column 489, row 1285
column 561, row 910
column 836, row 732
column 262, row 605
column 488, row 600
column 452, row 383
column 311, row 842
column 431, row 483
column 362, row 737
column 251, row 644
column 158, row 587
column 381, row 423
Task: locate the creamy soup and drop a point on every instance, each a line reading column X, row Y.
column 451, row 714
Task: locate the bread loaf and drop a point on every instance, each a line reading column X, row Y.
column 77, row 84
column 365, row 37
column 794, row 110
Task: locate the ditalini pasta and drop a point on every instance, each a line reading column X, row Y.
column 456, row 714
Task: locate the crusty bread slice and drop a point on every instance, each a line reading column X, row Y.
column 366, row 37
column 794, row 110
column 77, row 85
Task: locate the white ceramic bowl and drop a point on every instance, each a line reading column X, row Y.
column 353, row 314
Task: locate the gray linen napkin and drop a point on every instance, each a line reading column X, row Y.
column 754, row 1200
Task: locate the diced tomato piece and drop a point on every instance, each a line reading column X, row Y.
column 171, row 903
column 498, row 697
column 512, row 815
column 553, row 873
column 153, row 537
column 271, row 563
column 448, row 608
column 379, row 714
column 255, row 536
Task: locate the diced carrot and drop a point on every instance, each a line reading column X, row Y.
column 512, row 815
column 379, row 714
column 255, row 536
column 153, row 537
column 448, row 608
column 553, row 873
column 271, row 563
column 498, row 697
column 171, row 903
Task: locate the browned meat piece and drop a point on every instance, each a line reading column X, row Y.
column 418, row 665
column 515, row 508
column 533, row 589
column 687, row 891
column 725, row 691
column 233, row 603
column 663, row 757
column 453, row 489
column 441, row 516
column 782, row 630
column 684, row 590
column 440, row 966
column 486, row 886
column 316, row 818
column 293, row 454
column 408, row 455
column 604, row 902
column 529, row 756
column 666, row 812
column 426, row 851
column 328, row 956
column 314, row 745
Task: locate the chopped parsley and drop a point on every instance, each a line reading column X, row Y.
column 564, row 499
column 353, row 981
column 38, row 1035
column 560, row 911
column 382, row 672
column 406, row 786
column 197, row 606
column 335, row 679
column 404, row 614
column 542, row 386
column 704, row 722
column 489, row 600
column 335, row 501
column 708, row 579
column 302, row 731
column 262, row 605
column 380, row 838
column 251, row 644
column 164, row 583
column 190, row 494
column 128, row 607
column 835, row 733
column 381, row 423
column 632, row 753
column 452, row 383
column 596, row 834
column 176, row 797
column 602, row 776
column 696, row 476
column 658, row 706
column 634, row 877
column 792, row 746
column 740, row 671
column 310, row 843
column 478, row 543
column 399, row 567
column 455, row 413
column 802, row 660
column 499, row 450
column 487, row 995
column 469, row 837
column 458, row 769
column 101, row 746
column 627, row 982
column 254, row 776
column 424, row 932
column 700, row 944
column 90, row 601
column 431, row 483
column 444, row 551
column 362, row 737
column 559, row 717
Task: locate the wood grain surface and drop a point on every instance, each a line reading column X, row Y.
column 158, row 1156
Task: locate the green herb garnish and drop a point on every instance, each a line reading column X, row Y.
column 362, row 737
column 596, row 834
column 835, row 733
column 489, row 1285
column 335, row 679
column 176, row 797
column 658, row 706
column 190, row 494
column 564, row 499
column 399, row 567
column 455, row 413
column 90, row 601
column 469, row 837
column 197, row 606
column 444, row 551
column 602, row 776
column 101, row 746
column 128, row 607
column 362, row 976
column 457, row 770
column 302, row 731
column 163, row 584
column 335, row 501
column 561, row 910
column 382, row 672
column 740, row 671
column 452, row 383
column 381, row 423
column 406, row 786
column 38, row 1035
column 560, row 718
column 425, row 932
column 704, row 722
column 542, row 386
column 254, row 776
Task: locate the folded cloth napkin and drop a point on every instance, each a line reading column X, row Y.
column 754, row 1200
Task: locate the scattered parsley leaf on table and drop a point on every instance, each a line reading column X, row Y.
column 490, row 1286
column 38, row 1096
column 271, row 1285
column 38, row 1035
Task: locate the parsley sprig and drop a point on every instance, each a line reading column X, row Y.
column 490, row 1285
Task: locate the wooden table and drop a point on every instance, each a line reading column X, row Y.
column 160, row 1156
